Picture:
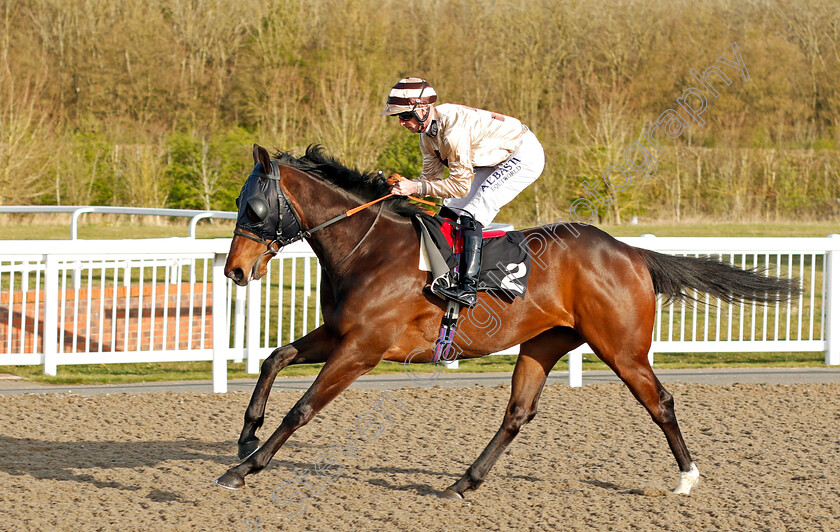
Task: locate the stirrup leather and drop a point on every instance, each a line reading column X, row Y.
column 465, row 292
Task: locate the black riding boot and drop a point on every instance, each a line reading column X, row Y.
column 465, row 292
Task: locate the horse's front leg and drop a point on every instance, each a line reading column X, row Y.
column 351, row 360
column 314, row 347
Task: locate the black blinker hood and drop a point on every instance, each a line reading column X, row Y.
column 265, row 210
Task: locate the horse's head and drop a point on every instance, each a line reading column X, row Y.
column 265, row 221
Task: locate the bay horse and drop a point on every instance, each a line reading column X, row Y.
column 585, row 286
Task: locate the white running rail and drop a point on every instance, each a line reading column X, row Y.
column 162, row 300
column 76, row 211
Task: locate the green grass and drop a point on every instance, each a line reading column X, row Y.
column 13, row 229
column 174, row 371
column 123, row 229
column 792, row 229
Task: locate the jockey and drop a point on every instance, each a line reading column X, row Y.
column 491, row 158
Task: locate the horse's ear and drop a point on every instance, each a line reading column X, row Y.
column 261, row 156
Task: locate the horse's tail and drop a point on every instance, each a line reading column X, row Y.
column 672, row 276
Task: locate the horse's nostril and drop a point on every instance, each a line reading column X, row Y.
column 236, row 274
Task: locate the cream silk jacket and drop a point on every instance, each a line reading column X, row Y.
column 463, row 138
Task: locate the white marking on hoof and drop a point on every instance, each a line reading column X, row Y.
column 688, row 479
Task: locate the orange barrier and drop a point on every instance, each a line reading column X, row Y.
column 111, row 312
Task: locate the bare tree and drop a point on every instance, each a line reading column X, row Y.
column 343, row 122
column 140, row 170
column 26, row 140
column 209, row 33
column 606, row 133
column 273, row 85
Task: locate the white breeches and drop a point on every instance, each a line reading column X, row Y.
column 494, row 187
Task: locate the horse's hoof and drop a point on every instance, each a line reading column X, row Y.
column 449, row 493
column 231, row 481
column 247, row 449
column 688, row 479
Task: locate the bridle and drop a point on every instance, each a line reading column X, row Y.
column 281, row 242
column 255, row 214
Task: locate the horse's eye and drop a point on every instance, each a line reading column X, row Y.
column 257, row 210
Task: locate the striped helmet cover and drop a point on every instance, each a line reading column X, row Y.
column 408, row 94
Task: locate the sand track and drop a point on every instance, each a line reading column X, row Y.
column 591, row 459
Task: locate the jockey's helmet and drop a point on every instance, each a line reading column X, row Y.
column 409, row 95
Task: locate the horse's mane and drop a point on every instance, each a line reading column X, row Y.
column 367, row 185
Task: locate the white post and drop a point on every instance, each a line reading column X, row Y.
column 650, row 352
column 194, row 221
column 50, row 315
column 239, row 323
column 252, row 320
column 575, row 359
column 74, row 221
column 220, row 319
column 832, row 306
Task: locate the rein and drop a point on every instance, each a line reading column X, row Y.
column 306, row 233
column 358, row 244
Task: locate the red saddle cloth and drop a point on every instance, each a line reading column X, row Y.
column 448, row 231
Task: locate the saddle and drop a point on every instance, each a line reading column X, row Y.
column 505, row 262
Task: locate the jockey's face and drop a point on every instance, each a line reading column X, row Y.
column 412, row 124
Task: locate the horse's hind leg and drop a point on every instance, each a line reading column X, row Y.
column 314, row 347
column 537, row 357
column 660, row 405
column 635, row 371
